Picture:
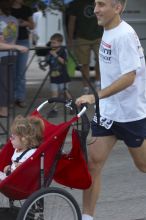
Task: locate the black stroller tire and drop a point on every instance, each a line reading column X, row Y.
column 51, row 203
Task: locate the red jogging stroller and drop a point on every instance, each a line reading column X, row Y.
column 29, row 185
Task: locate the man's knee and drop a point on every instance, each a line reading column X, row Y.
column 95, row 165
column 139, row 156
column 141, row 166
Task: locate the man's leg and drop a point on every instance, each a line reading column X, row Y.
column 98, row 154
column 139, row 156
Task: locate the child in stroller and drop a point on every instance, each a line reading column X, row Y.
column 26, row 136
column 30, row 183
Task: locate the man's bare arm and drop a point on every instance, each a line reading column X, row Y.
column 122, row 83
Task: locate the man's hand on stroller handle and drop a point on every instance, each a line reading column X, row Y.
column 85, row 99
column 68, row 103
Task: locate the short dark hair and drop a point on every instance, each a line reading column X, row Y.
column 122, row 2
column 57, row 36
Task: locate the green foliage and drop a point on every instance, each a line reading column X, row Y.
column 58, row 3
column 31, row 2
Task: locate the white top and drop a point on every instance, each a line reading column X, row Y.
column 36, row 18
column 121, row 52
column 25, row 157
column 40, row 27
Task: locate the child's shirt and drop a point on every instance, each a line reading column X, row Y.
column 58, row 71
column 15, row 164
column 18, row 154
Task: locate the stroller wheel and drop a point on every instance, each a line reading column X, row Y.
column 50, row 204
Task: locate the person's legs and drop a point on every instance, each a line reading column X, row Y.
column 6, row 83
column 134, row 135
column 85, row 74
column 54, row 87
column 139, row 156
column 20, row 82
column 3, row 90
column 82, row 52
column 64, row 90
column 98, row 153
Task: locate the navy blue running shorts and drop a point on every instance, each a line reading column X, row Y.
column 132, row 133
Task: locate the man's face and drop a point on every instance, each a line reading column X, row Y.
column 106, row 12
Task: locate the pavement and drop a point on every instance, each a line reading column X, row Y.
column 123, row 193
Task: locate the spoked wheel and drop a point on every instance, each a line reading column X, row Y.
column 50, row 204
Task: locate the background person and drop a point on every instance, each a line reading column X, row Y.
column 122, row 97
column 24, row 15
column 59, row 77
column 8, row 36
column 38, row 17
column 83, row 23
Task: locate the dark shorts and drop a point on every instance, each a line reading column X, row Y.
column 132, row 133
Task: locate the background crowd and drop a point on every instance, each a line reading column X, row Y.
column 18, row 21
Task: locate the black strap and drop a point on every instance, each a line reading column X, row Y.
column 23, row 153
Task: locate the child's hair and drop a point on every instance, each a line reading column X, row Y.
column 29, row 129
column 58, row 37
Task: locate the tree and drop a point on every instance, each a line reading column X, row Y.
column 32, row 2
column 59, row 3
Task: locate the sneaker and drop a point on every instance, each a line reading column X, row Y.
column 20, row 104
column 86, row 90
column 52, row 114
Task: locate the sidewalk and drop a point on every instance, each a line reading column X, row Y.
column 123, row 194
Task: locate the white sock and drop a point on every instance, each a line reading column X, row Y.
column 87, row 217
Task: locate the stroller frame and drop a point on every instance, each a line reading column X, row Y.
column 35, row 203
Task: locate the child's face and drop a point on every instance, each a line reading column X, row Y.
column 16, row 141
column 55, row 43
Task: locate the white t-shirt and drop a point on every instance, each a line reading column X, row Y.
column 36, row 18
column 8, row 31
column 25, row 157
column 40, row 27
column 120, row 52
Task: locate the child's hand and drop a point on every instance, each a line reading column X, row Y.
column 7, row 168
column 53, row 53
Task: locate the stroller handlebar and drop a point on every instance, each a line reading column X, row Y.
column 41, row 105
column 69, row 102
column 82, row 111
